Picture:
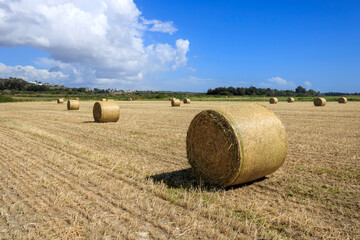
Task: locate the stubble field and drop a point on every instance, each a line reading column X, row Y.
column 62, row 176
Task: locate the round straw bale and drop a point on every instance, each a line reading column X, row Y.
column 186, row 100
column 106, row 112
column 129, row 99
column 290, row 100
column 236, row 144
column 320, row 102
column 104, row 99
column 73, row 105
column 273, row 100
column 60, row 100
column 342, row 100
column 175, row 102
column 77, row 98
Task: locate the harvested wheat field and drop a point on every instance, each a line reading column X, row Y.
column 63, row 176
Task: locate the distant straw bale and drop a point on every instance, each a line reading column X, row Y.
column 342, row 100
column 290, row 100
column 175, row 102
column 129, row 99
column 236, row 144
column 106, row 112
column 186, row 100
column 273, row 100
column 60, row 100
column 320, row 102
column 104, row 99
column 73, row 105
column 77, row 98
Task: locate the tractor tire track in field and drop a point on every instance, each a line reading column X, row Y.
column 212, row 216
column 105, row 196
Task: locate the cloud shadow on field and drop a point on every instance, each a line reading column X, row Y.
column 185, row 179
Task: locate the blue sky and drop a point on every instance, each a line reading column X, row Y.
column 186, row 45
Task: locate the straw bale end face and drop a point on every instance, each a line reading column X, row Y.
column 273, row 100
column 175, row 102
column 237, row 144
column 342, row 100
column 73, row 105
column 186, row 101
column 106, row 112
column 320, row 102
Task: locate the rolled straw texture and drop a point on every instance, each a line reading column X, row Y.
column 73, row 105
column 237, row 144
column 106, row 112
column 320, row 102
column 187, row 101
column 290, row 100
column 342, row 100
column 60, row 100
column 175, row 102
column 273, row 100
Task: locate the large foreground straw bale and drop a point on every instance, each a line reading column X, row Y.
column 187, row 101
column 73, row 105
column 290, row 100
column 236, row 144
column 60, row 100
column 320, row 102
column 106, row 112
column 342, row 100
column 273, row 100
column 175, row 102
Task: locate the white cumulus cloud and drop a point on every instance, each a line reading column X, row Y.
column 308, row 84
column 277, row 82
column 29, row 72
column 94, row 42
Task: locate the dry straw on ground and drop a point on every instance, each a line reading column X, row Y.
column 290, row 100
column 342, row 100
column 175, row 102
column 320, row 102
column 60, row 100
column 186, row 100
column 273, row 100
column 106, row 112
column 73, row 105
column 236, row 144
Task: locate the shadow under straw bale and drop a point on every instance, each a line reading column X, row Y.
column 185, row 179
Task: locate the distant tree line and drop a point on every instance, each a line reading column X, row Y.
column 253, row 91
column 21, row 85
column 18, row 84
